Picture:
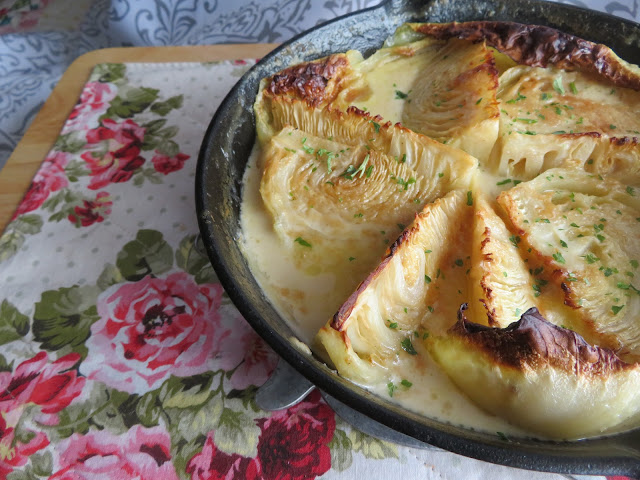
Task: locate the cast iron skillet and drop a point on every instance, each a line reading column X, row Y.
column 223, row 156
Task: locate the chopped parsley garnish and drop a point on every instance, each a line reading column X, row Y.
column 428, row 251
column 633, row 263
column 391, row 388
column 526, row 120
column 376, row 125
column 407, row 346
column 616, row 308
column 351, row 171
column 631, row 191
column 392, row 325
column 302, row 242
column 558, row 257
column 401, row 95
column 590, row 258
column 358, row 215
column 469, row 198
column 427, row 279
column 290, row 150
column 515, row 240
column 504, row 182
column 545, row 96
column 573, row 88
column 517, row 99
column 459, row 262
column 612, row 127
column 406, row 383
column 351, row 259
column 563, row 243
column 503, row 437
column 405, row 184
column 557, row 85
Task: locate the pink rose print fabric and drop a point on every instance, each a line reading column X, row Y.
column 114, row 152
column 50, row 178
column 141, row 453
column 293, row 445
column 51, row 385
column 151, row 329
column 93, row 103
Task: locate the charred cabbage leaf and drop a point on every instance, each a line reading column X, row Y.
column 399, row 299
column 585, row 228
column 544, row 378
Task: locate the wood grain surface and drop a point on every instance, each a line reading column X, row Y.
column 23, row 163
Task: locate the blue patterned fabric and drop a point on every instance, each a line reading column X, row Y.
column 39, row 39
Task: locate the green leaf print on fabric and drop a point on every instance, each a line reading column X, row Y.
column 238, row 433
column 163, row 108
column 14, row 236
column 189, row 259
column 64, row 317
column 13, row 324
column 372, row 447
column 148, row 254
column 130, row 101
column 108, row 72
column 341, row 456
column 71, row 142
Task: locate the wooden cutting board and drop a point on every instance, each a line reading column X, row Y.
column 23, row 163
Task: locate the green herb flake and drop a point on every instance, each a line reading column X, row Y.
column 634, row 263
column 427, row 279
column 573, row 88
column 469, row 198
column 302, row 242
column 616, row 308
column 406, row 383
column 558, row 257
column 391, row 388
column 479, row 100
column 631, row 191
column 590, row 258
column 526, row 120
column 504, row 182
column 517, row 99
column 503, row 437
column 515, row 240
column 351, row 259
column 401, row 95
column 557, row 85
column 376, row 126
column 392, row 325
column 563, row 243
column 459, row 262
column 407, row 346
column 545, row 96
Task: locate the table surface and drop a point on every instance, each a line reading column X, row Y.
column 41, row 135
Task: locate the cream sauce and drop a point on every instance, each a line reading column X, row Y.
column 307, row 301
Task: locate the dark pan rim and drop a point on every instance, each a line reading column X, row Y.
column 613, row 455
